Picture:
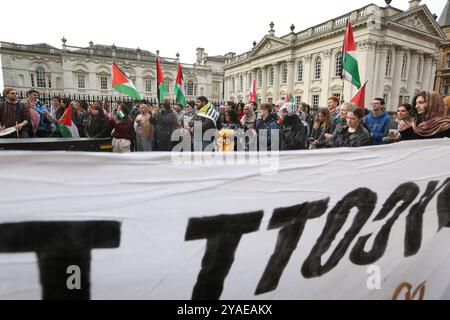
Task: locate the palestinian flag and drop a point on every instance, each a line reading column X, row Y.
column 360, row 97
column 66, row 127
column 252, row 92
column 123, row 84
column 179, row 89
column 162, row 90
column 350, row 70
column 289, row 98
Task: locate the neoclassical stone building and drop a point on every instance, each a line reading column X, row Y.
column 397, row 53
column 75, row 70
column 443, row 68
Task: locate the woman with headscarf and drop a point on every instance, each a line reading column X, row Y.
column 431, row 121
column 248, row 121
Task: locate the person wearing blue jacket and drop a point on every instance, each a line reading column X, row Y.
column 377, row 121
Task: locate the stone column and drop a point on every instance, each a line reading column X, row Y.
column 307, row 79
column 326, row 76
column 368, row 68
column 421, row 70
column 290, row 78
column 434, row 60
column 264, row 84
column 226, row 88
column 396, row 77
column 426, row 72
column 412, row 73
column 276, row 82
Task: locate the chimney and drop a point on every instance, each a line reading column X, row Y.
column 200, row 52
column 414, row 3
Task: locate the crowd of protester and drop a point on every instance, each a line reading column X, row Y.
column 143, row 126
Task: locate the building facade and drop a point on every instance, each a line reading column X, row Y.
column 396, row 50
column 443, row 67
column 87, row 71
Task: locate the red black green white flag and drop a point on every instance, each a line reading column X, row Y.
column 161, row 86
column 360, row 97
column 350, row 69
column 123, row 84
column 66, row 126
column 179, row 88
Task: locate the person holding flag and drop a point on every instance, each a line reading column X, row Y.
column 66, row 125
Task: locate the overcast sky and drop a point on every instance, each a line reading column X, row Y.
column 172, row 25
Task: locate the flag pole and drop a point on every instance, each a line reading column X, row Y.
column 342, row 62
column 157, row 78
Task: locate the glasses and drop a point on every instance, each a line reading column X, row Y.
column 13, row 93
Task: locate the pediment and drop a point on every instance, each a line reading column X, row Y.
column 419, row 19
column 268, row 44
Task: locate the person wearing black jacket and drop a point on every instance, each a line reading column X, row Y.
column 293, row 133
column 97, row 123
column 353, row 134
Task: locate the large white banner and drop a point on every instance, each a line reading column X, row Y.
column 369, row 223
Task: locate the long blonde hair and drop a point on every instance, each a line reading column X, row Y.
column 327, row 114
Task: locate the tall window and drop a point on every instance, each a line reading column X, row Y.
column 103, row 83
column 447, row 86
column 448, row 61
column 317, row 68
column 250, row 77
column 271, row 75
column 190, row 88
column 32, row 79
column 148, row 85
column 285, row 74
column 233, row 81
column 300, row 71
column 81, row 81
column 404, row 63
column 241, row 82
column 195, row 90
column 40, row 78
column 316, row 100
column 298, row 99
column 387, row 71
column 338, row 64
column 260, row 78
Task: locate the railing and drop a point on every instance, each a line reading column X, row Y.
column 321, row 28
column 341, row 22
column 106, row 100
